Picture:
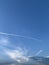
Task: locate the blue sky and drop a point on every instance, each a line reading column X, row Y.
column 28, row 18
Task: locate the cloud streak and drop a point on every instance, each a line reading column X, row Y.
column 2, row 33
column 38, row 52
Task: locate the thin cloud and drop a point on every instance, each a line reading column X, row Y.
column 2, row 33
column 38, row 52
column 47, row 56
column 4, row 41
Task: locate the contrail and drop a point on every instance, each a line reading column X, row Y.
column 2, row 33
column 39, row 52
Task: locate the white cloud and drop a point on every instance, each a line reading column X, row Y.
column 39, row 52
column 17, row 54
column 2, row 33
column 4, row 41
column 47, row 56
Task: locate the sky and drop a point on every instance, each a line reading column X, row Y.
column 24, row 24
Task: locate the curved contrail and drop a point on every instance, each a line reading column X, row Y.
column 2, row 33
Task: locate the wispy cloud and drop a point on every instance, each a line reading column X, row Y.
column 4, row 41
column 47, row 56
column 17, row 54
column 2, row 33
column 38, row 52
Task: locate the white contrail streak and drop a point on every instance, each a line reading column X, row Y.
column 2, row 33
column 39, row 52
